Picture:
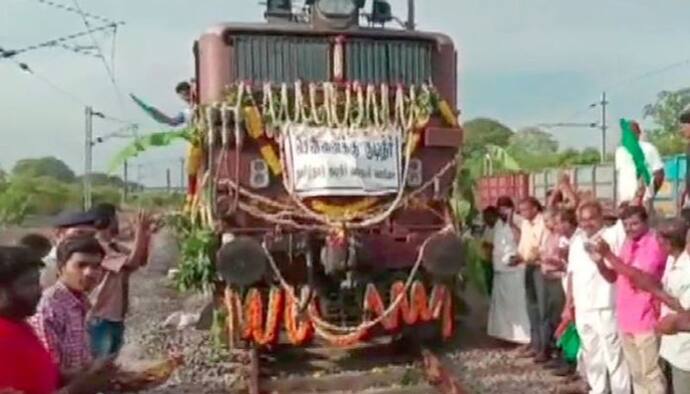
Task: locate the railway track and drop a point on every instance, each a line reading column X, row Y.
column 379, row 368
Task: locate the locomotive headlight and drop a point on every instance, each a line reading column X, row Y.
column 336, row 14
column 336, row 8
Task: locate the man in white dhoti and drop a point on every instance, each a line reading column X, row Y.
column 593, row 299
column 508, row 318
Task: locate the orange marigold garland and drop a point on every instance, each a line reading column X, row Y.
column 414, row 309
column 254, row 317
column 298, row 332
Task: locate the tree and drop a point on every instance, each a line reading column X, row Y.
column 44, row 167
column 533, row 141
column 481, row 132
column 589, row 156
column 665, row 113
column 533, row 148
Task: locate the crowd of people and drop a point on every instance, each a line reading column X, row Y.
column 63, row 303
column 595, row 292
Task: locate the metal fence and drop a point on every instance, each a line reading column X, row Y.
column 601, row 181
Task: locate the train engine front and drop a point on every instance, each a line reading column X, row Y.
column 330, row 153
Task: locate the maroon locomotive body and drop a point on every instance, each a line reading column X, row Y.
column 366, row 112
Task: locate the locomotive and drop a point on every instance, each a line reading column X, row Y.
column 329, row 151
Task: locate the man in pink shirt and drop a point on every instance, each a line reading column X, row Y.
column 638, row 309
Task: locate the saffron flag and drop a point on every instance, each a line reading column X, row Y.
column 631, row 143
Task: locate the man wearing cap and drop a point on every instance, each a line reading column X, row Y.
column 67, row 224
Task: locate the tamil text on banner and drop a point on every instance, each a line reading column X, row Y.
column 326, row 161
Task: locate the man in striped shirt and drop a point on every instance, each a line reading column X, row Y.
column 60, row 319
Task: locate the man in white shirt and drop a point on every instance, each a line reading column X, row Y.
column 508, row 318
column 591, row 298
column 185, row 92
column 675, row 346
column 532, row 233
column 626, row 172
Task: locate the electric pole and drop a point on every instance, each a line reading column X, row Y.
column 89, row 113
column 125, row 176
column 167, row 180
column 88, row 146
column 182, row 174
column 603, row 126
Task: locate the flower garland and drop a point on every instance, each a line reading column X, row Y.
column 340, row 106
column 415, row 308
column 298, row 332
column 346, row 106
column 253, row 328
column 346, row 211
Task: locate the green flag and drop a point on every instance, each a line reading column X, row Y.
column 142, row 143
column 631, row 143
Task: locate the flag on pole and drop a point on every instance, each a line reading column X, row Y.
column 150, row 110
column 631, row 143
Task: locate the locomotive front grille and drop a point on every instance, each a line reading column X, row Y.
column 374, row 61
column 280, row 58
column 277, row 59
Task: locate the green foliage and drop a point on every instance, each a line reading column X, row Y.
column 665, row 112
column 197, row 270
column 13, row 206
column 46, row 195
column 533, row 141
column 156, row 200
column 481, row 132
column 102, row 179
column 44, row 167
column 474, row 265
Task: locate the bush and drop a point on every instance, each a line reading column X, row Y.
column 157, row 200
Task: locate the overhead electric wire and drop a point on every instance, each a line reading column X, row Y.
column 30, row 70
column 77, row 50
column 648, row 74
column 111, row 75
column 74, row 10
column 74, row 98
column 8, row 53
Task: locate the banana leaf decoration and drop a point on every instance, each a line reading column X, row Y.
column 144, row 143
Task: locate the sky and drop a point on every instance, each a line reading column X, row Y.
column 523, row 63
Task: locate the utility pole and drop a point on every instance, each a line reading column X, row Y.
column 182, row 174
column 603, row 126
column 167, row 180
column 125, row 177
column 88, row 150
column 89, row 113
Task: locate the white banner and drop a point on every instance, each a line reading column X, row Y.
column 324, row 161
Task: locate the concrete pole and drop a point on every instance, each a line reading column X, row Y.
column 88, row 151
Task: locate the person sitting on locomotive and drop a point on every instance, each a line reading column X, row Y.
column 185, row 91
